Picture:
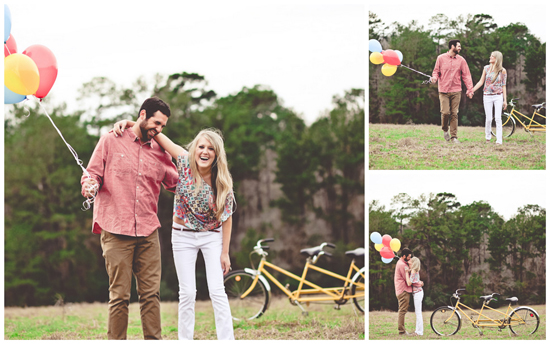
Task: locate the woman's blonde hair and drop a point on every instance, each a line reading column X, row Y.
column 497, row 66
column 222, row 183
column 415, row 264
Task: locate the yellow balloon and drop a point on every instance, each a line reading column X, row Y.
column 21, row 74
column 395, row 244
column 376, row 58
column 378, row 247
column 388, row 70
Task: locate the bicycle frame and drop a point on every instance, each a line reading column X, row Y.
column 531, row 127
column 488, row 322
column 332, row 294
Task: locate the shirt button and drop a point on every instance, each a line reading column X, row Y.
column 137, row 200
column 138, row 187
column 139, row 173
column 136, row 215
column 140, row 160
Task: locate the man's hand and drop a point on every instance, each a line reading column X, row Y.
column 433, row 80
column 88, row 187
column 470, row 95
column 226, row 263
column 421, row 283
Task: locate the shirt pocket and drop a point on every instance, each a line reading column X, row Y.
column 121, row 164
column 154, row 170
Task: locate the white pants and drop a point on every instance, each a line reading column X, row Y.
column 418, row 311
column 488, row 102
column 186, row 246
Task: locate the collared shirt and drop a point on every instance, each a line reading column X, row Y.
column 129, row 173
column 400, row 280
column 448, row 70
column 197, row 208
column 415, row 282
column 490, row 87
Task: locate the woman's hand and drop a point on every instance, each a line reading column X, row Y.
column 226, row 263
column 504, row 105
column 118, row 127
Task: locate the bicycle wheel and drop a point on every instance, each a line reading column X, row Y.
column 444, row 321
column 523, row 320
column 360, row 300
column 508, row 125
column 254, row 304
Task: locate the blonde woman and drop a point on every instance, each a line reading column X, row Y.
column 493, row 81
column 413, row 278
column 202, row 220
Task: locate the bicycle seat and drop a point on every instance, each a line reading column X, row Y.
column 513, row 299
column 358, row 252
column 310, row 252
column 538, row 106
column 486, row 297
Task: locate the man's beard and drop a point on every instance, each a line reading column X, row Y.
column 456, row 51
column 145, row 133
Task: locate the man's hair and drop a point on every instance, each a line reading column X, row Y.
column 154, row 104
column 405, row 252
column 453, row 42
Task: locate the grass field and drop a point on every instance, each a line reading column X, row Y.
column 281, row 321
column 422, row 147
column 383, row 325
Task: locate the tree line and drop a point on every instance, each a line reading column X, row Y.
column 49, row 247
column 460, row 246
column 402, row 98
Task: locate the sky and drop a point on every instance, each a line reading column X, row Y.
column 305, row 51
column 533, row 14
column 505, row 191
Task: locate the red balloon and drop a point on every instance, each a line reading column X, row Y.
column 10, row 47
column 386, row 252
column 391, row 58
column 386, row 240
column 47, row 67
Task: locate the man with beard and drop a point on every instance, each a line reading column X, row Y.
column 128, row 172
column 402, row 290
column 450, row 67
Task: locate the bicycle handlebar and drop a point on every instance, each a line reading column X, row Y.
column 265, row 247
column 268, row 240
column 327, row 254
column 331, row 245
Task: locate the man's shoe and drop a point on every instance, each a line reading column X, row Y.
column 455, row 140
column 446, row 135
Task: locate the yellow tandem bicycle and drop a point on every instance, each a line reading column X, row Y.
column 249, row 292
column 447, row 320
column 531, row 125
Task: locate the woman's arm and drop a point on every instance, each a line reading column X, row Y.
column 504, row 105
column 481, row 81
column 226, row 240
column 407, row 273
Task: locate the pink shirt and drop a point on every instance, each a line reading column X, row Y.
column 129, row 174
column 400, row 280
column 448, row 71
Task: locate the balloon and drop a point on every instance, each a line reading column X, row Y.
column 12, row 97
column 378, row 247
column 386, row 252
column 387, row 260
column 7, row 23
column 386, row 240
column 400, row 55
column 376, row 238
column 375, row 46
column 10, row 47
column 391, row 57
column 388, row 70
column 395, row 244
column 376, row 58
column 47, row 67
column 21, row 74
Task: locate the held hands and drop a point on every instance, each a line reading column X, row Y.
column 470, row 95
column 226, row 263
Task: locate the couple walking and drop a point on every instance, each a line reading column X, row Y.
column 128, row 167
column 407, row 281
column 450, row 67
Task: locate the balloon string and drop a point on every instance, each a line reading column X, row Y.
column 90, row 188
column 402, row 65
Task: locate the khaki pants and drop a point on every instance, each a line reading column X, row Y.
column 449, row 103
column 125, row 255
column 403, row 300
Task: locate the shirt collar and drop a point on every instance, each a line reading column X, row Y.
column 134, row 138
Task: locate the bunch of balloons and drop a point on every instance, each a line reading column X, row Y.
column 32, row 72
column 386, row 246
column 390, row 58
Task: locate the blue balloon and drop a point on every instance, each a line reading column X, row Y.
column 375, row 46
column 400, row 54
column 7, row 23
column 387, row 260
column 11, row 97
column 376, row 238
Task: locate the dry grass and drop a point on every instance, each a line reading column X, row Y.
column 89, row 321
column 383, row 325
column 423, row 147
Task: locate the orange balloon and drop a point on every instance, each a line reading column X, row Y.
column 376, row 58
column 21, row 74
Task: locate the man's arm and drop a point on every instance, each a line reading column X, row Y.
column 436, row 72
column 467, row 78
column 96, row 167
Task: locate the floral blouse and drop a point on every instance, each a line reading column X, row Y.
column 197, row 210
column 490, row 88
column 415, row 280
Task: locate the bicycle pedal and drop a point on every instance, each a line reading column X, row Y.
column 337, row 307
column 287, row 287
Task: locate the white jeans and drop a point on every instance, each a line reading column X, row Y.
column 488, row 102
column 418, row 311
column 186, row 246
